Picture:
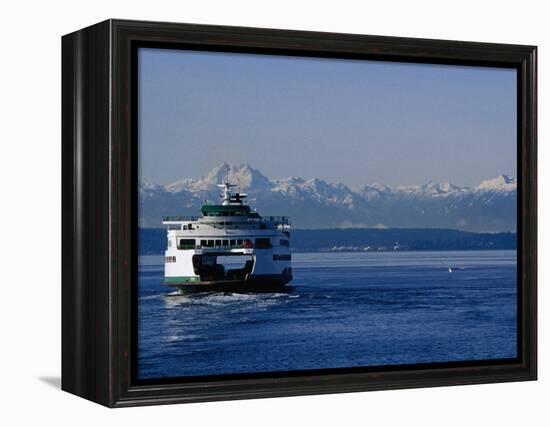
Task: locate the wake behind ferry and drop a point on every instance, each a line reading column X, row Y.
column 256, row 248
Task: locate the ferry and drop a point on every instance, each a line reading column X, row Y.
column 230, row 247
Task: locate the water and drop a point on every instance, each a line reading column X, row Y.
column 342, row 310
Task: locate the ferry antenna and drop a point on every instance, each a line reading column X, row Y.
column 227, row 174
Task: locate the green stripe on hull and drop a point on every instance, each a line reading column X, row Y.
column 181, row 279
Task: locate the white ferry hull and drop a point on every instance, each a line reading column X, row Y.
column 258, row 283
column 198, row 270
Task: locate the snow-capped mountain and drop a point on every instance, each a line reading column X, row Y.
column 500, row 183
column 245, row 176
column 314, row 203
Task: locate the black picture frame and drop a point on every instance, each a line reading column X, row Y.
column 99, row 192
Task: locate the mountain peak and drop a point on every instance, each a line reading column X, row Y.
column 440, row 187
column 240, row 174
column 431, row 188
column 500, row 183
column 145, row 188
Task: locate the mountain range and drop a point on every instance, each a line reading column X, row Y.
column 314, row 203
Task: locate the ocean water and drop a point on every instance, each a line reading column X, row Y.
column 342, row 310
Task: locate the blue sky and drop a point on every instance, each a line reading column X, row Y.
column 348, row 121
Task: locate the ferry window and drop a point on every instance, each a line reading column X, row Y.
column 232, row 243
column 210, row 243
column 186, row 244
column 226, row 243
column 204, row 242
column 284, row 242
column 263, row 243
column 239, row 242
column 218, row 242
